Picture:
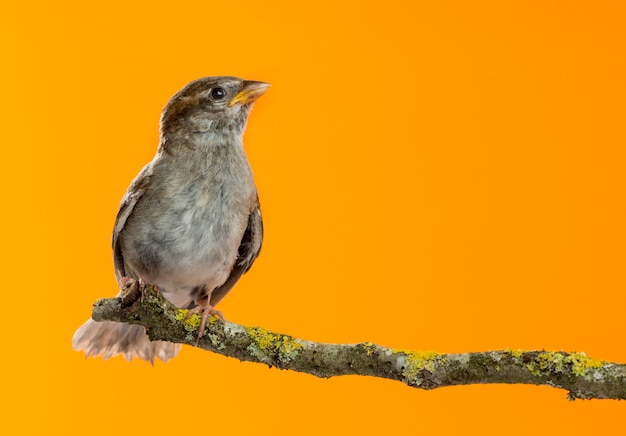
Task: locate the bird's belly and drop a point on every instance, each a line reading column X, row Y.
column 190, row 249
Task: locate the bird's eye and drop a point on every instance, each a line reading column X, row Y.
column 218, row 93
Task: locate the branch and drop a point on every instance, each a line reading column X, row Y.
column 583, row 377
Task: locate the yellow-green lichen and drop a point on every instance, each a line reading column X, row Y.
column 515, row 353
column 213, row 320
column 266, row 345
column 369, row 348
column 546, row 362
column 581, row 363
column 550, row 362
column 416, row 361
column 190, row 323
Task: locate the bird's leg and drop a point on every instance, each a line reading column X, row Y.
column 204, row 308
column 142, row 287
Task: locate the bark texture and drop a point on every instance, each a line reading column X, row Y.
column 581, row 376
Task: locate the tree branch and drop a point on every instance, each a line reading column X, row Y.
column 583, row 377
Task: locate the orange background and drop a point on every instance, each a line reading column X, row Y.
column 433, row 175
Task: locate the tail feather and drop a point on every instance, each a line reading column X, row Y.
column 112, row 338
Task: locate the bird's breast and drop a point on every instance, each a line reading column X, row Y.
column 191, row 223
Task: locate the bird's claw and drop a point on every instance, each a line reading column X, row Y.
column 132, row 290
column 205, row 311
column 129, row 291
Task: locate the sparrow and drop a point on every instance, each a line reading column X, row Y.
column 190, row 222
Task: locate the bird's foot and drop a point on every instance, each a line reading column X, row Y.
column 129, row 291
column 142, row 288
column 132, row 290
column 204, row 310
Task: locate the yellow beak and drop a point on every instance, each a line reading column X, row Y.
column 250, row 91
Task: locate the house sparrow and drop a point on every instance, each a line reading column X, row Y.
column 190, row 222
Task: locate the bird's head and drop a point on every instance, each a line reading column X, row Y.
column 212, row 105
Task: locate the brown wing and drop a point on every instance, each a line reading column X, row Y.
column 248, row 252
column 133, row 194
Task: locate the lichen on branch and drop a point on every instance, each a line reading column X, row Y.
column 583, row 377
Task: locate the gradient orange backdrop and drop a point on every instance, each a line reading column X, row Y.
column 441, row 176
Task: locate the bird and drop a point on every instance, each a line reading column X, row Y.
column 190, row 222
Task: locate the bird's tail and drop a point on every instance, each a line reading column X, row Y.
column 112, row 338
